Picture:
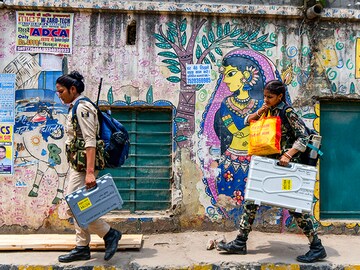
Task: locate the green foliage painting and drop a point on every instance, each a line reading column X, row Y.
column 181, row 46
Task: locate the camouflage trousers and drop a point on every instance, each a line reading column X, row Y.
column 304, row 221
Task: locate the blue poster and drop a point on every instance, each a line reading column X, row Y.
column 198, row 74
column 7, row 101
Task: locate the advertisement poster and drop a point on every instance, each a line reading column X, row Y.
column 6, row 149
column 7, row 120
column 44, row 32
column 198, row 74
column 7, row 100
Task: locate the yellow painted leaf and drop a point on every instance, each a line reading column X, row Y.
column 350, row 225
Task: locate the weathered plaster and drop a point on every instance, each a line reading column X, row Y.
column 339, row 9
column 315, row 60
column 192, row 212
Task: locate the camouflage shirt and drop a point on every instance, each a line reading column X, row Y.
column 82, row 133
column 88, row 123
column 294, row 137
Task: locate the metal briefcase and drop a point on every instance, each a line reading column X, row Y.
column 88, row 205
column 289, row 187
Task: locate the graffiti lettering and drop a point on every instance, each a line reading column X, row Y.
column 50, row 128
column 21, row 130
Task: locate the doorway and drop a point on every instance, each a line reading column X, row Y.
column 339, row 167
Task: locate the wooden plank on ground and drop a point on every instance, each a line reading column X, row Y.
column 61, row 242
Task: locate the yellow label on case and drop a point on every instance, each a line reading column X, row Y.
column 84, row 204
column 286, row 184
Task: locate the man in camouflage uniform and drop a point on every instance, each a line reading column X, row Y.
column 82, row 166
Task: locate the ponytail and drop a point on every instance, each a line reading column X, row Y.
column 72, row 79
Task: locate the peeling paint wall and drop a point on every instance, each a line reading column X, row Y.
column 313, row 58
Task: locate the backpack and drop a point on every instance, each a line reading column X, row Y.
column 312, row 151
column 114, row 135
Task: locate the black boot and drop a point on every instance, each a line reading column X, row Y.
column 317, row 252
column 111, row 239
column 79, row 253
column 237, row 246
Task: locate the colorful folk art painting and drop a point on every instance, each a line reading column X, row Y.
column 223, row 134
column 39, row 141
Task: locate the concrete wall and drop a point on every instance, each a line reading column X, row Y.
column 314, row 58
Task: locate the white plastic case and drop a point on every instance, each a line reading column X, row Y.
column 288, row 187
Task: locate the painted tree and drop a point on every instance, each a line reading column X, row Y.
column 179, row 50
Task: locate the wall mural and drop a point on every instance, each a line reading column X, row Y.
column 179, row 50
column 242, row 56
column 40, row 141
column 39, row 121
column 40, row 161
column 223, row 137
column 238, row 92
column 41, row 167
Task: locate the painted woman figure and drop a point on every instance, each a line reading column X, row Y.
column 239, row 92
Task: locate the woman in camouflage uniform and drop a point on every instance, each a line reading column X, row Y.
column 294, row 139
column 69, row 88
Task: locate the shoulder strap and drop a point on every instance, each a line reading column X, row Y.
column 74, row 108
column 286, row 120
column 88, row 100
column 74, row 116
column 283, row 116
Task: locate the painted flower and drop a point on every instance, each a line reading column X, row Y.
column 238, row 198
column 254, row 75
column 228, row 176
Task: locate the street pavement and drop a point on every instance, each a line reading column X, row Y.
column 188, row 250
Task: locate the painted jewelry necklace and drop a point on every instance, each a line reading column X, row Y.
column 242, row 101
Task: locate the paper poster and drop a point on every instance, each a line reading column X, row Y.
column 50, row 62
column 198, row 74
column 6, row 149
column 44, row 32
column 7, row 100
